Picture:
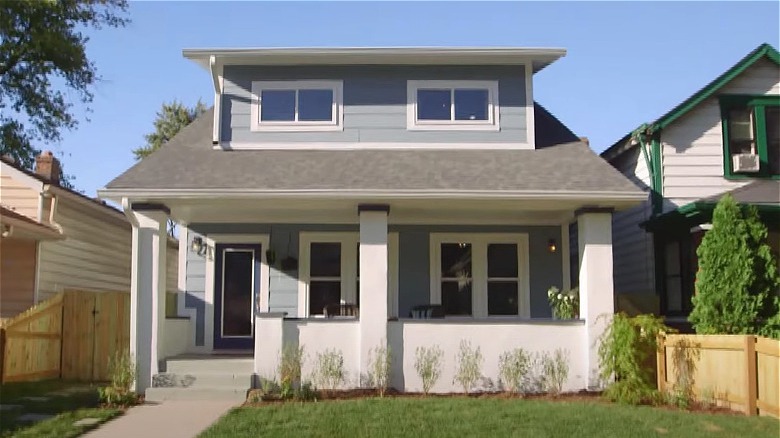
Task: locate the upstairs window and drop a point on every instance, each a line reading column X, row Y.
column 751, row 136
column 452, row 105
column 297, row 106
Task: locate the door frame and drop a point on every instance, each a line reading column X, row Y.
column 234, row 342
column 209, row 312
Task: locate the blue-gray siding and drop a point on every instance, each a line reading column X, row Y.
column 374, row 103
column 196, row 289
column 414, row 278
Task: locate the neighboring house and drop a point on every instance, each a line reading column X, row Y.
column 396, row 184
column 54, row 238
column 725, row 138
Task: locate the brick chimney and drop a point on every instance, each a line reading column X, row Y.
column 585, row 140
column 48, row 167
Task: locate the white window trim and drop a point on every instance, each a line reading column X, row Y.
column 335, row 124
column 479, row 295
column 492, row 124
column 349, row 241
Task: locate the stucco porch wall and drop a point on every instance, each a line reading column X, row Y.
column 493, row 337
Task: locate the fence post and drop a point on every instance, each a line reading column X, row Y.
column 661, row 362
column 2, row 354
column 751, row 381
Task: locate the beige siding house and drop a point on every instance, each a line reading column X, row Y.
column 54, row 239
column 724, row 138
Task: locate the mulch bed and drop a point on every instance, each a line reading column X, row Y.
column 581, row 396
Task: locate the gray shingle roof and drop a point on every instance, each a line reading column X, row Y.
column 757, row 192
column 189, row 161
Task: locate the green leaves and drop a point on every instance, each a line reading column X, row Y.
column 171, row 119
column 737, row 282
column 44, row 65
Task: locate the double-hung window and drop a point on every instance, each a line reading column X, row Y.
column 297, row 105
column 330, row 271
column 480, row 274
column 751, row 134
column 452, row 105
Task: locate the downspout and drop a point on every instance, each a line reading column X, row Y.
column 52, row 208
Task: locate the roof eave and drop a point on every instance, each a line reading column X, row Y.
column 539, row 57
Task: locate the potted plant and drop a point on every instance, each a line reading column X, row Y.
column 565, row 304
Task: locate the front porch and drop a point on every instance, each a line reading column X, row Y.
column 484, row 265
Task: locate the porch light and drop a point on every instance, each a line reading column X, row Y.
column 552, row 246
column 198, row 246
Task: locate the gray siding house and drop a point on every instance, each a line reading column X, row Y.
column 349, row 198
column 725, row 138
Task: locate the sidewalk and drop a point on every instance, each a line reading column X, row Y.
column 170, row 419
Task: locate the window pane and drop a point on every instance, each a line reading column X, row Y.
column 740, row 124
column 456, row 297
column 773, row 138
column 471, row 104
column 433, row 105
column 502, row 260
column 502, row 298
column 456, row 260
column 323, row 293
column 315, row 105
column 277, row 105
column 325, row 260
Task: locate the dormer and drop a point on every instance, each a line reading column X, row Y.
column 374, row 98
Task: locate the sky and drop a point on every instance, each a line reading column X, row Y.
column 627, row 63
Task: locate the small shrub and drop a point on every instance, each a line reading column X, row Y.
column 684, row 357
column 379, row 368
column 469, row 366
column 565, row 304
column 513, row 367
column 330, row 369
column 555, row 369
column 305, row 392
column 121, row 370
column 428, row 362
column 290, row 366
column 624, row 350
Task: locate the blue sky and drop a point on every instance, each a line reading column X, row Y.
column 627, row 63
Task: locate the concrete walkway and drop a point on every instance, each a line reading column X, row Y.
column 170, row 419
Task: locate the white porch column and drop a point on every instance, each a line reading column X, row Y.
column 594, row 228
column 373, row 280
column 147, row 292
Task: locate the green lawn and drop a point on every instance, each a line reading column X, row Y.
column 68, row 401
column 461, row 417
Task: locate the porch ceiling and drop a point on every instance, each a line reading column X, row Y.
column 402, row 211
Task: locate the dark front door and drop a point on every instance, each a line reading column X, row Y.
column 237, row 284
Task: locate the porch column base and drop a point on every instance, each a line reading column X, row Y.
column 596, row 284
column 373, row 283
column 269, row 341
column 147, row 294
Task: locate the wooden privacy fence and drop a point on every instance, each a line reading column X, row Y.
column 738, row 371
column 70, row 336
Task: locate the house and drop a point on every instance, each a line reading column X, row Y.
column 54, row 238
column 382, row 185
column 725, row 138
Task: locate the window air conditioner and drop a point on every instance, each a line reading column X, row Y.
column 747, row 163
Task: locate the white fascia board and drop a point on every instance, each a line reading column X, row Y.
column 18, row 175
column 374, row 194
column 376, row 55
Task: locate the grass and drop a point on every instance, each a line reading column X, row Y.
column 458, row 417
column 67, row 408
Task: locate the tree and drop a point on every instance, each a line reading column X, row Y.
column 41, row 47
column 737, row 282
column 170, row 120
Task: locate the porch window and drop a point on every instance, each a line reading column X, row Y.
column 452, row 105
column 480, row 274
column 751, row 133
column 330, row 269
column 297, row 106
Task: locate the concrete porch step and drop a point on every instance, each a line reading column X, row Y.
column 203, row 379
column 217, row 364
column 158, row 395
